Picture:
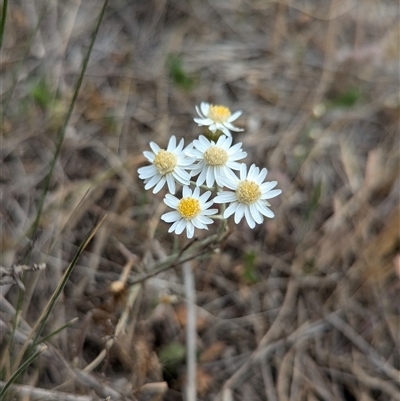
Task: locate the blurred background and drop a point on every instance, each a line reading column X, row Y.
column 303, row 307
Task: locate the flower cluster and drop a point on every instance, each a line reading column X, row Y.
column 214, row 163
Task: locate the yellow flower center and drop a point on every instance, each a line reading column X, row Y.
column 189, row 208
column 215, row 156
column 248, row 192
column 219, row 114
column 165, row 161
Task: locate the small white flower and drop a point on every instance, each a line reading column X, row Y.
column 250, row 195
column 167, row 166
column 191, row 211
column 215, row 160
column 217, row 117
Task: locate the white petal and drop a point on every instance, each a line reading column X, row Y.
column 196, row 170
column 199, row 111
column 261, row 177
column 225, row 197
column 171, row 183
column 205, row 220
column 181, row 176
column 196, row 192
column 229, row 174
column 209, row 212
column 147, row 172
column 149, row 156
column 205, row 107
column 256, row 214
column 173, row 227
column 171, row 201
column 235, row 116
column 232, row 127
column 160, row 184
column 203, row 121
column 266, row 186
column 171, row 217
column 203, row 198
column 180, row 147
column 224, row 130
column 239, row 212
column 180, row 226
column 265, row 210
column 210, row 178
column 189, row 229
column 154, row 147
column 249, row 218
column 231, row 184
column 252, row 174
column 237, row 156
column 202, row 147
column 233, row 165
column 186, row 192
column 153, row 181
column 203, row 140
column 231, row 209
column 171, row 144
column 221, row 141
column 197, row 222
column 213, row 127
column 202, row 177
column 271, row 194
column 243, row 171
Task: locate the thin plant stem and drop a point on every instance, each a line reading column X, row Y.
column 19, row 371
column 3, row 21
column 191, row 363
column 14, row 81
column 37, row 329
column 66, row 122
column 64, row 326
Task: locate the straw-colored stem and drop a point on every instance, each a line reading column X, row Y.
column 191, row 365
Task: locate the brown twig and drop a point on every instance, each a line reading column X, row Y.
column 12, row 275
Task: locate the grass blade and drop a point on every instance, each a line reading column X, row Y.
column 3, row 21
column 37, row 329
column 68, row 117
column 19, row 371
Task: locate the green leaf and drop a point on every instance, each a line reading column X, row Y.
column 250, row 275
column 348, row 98
column 177, row 72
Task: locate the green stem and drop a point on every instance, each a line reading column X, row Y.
column 64, row 127
column 3, row 21
column 19, row 371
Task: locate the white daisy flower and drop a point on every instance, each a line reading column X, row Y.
column 167, row 166
column 215, row 160
column 249, row 196
column 190, row 212
column 217, row 117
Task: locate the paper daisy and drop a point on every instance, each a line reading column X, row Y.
column 190, row 212
column 217, row 117
column 249, row 196
column 215, row 160
column 167, row 166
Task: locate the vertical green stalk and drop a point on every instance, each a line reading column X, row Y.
column 3, row 21
column 14, row 80
column 64, row 127
column 19, row 371
column 38, row 328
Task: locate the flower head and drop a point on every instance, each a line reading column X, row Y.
column 167, row 166
column 249, row 196
column 215, row 160
column 217, row 117
column 190, row 212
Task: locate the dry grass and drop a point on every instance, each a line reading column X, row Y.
column 304, row 307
